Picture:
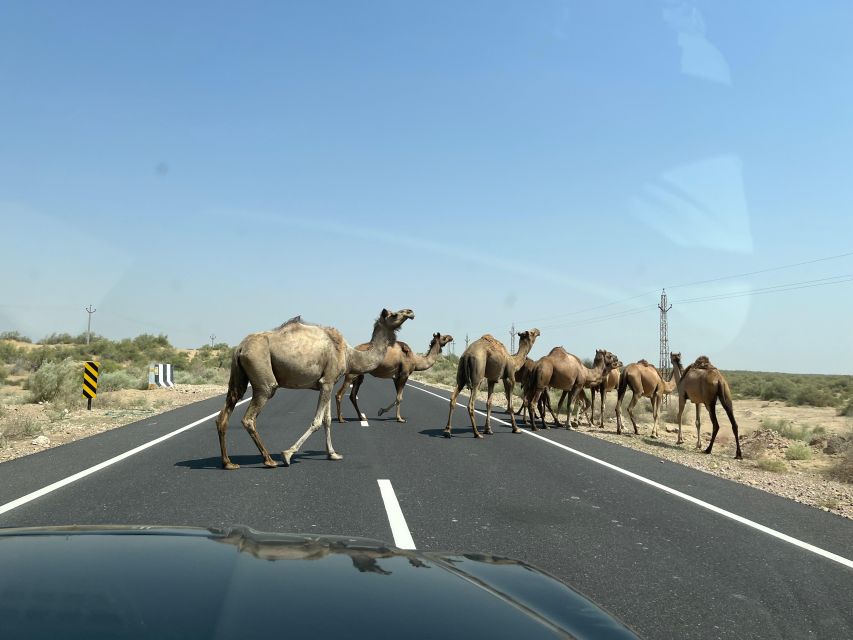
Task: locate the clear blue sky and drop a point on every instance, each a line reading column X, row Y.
column 197, row 168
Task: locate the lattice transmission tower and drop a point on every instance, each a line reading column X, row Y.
column 664, row 336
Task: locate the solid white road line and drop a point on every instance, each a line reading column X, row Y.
column 14, row 504
column 364, row 422
column 399, row 528
column 657, row 485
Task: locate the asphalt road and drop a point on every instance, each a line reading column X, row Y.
column 668, row 567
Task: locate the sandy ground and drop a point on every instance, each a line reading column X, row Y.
column 35, row 427
column 804, row 481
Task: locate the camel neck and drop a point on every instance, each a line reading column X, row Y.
column 524, row 347
column 424, row 362
column 367, row 360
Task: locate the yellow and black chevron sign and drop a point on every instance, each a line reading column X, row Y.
column 90, row 379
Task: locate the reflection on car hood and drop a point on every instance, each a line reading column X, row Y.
column 112, row 582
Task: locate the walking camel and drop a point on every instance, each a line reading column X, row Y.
column 703, row 383
column 488, row 358
column 523, row 378
column 297, row 355
column 399, row 363
column 563, row 370
column 611, row 382
column 644, row 381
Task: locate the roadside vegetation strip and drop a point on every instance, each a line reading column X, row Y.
column 14, row 504
column 399, row 528
column 701, row 503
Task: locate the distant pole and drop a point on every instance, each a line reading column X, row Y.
column 664, row 335
column 90, row 310
column 212, row 338
column 466, row 341
column 453, row 347
column 512, row 338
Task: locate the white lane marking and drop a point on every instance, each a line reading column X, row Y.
column 364, row 422
column 657, row 485
column 38, row 493
column 399, row 528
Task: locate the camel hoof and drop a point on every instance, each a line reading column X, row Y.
column 335, row 456
column 707, row 451
column 341, row 420
column 230, row 466
column 516, row 430
column 738, row 456
column 478, row 435
column 447, row 434
column 381, row 412
column 679, row 442
column 286, row 456
column 488, row 433
column 401, row 420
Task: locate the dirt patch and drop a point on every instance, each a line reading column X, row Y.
column 765, row 466
column 28, row 428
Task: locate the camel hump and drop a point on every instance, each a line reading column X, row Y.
column 703, row 362
column 296, row 320
column 406, row 349
column 645, row 363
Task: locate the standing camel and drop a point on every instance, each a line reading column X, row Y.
column 399, row 363
column 299, row 356
column 488, row 358
column 523, row 377
column 644, row 381
column 563, row 370
column 703, row 383
column 611, row 382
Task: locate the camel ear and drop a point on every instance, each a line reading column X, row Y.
column 384, row 313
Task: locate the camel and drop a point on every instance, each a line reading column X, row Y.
column 563, row 370
column 611, row 382
column 522, row 376
column 297, row 355
column 703, row 383
column 488, row 358
column 645, row 381
column 399, row 363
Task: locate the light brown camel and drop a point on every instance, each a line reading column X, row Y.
column 523, row 377
column 611, row 382
column 563, row 370
column 488, row 358
column 299, row 356
column 399, row 363
column 645, row 381
column 587, row 405
column 703, row 383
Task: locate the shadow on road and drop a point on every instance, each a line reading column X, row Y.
column 251, row 462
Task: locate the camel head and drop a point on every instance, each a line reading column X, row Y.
column 612, row 360
column 530, row 334
column 443, row 341
column 395, row 319
column 675, row 358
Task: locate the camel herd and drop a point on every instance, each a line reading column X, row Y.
column 300, row 355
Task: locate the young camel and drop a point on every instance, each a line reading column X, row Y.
column 703, row 383
column 523, row 377
column 399, row 363
column 644, row 381
column 562, row 370
column 488, row 358
column 587, row 405
column 299, row 356
column 611, row 382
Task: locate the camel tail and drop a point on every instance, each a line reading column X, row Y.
column 464, row 372
column 725, row 395
column 238, row 381
column 623, row 385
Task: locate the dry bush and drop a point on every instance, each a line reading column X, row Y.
column 772, row 464
column 798, row 451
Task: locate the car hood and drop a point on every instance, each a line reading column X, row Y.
column 111, row 581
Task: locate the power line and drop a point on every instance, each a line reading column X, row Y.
column 779, row 288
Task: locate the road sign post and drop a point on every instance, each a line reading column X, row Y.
column 90, row 381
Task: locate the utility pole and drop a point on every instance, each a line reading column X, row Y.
column 212, row 338
column 466, row 341
column 90, row 310
column 664, row 336
column 512, row 338
column 453, row 347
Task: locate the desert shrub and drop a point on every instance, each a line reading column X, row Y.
column 788, row 429
column 843, row 469
column 670, row 412
column 57, row 382
column 201, row 376
column 846, row 410
column 122, row 379
column 442, row 372
column 14, row 335
column 3, row 374
column 772, row 464
column 798, row 452
column 17, row 425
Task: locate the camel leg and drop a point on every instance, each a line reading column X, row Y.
column 508, row 385
column 698, row 428
column 656, row 402
column 490, row 384
column 327, row 423
column 399, row 385
column 601, row 414
column 592, row 406
column 532, row 405
column 323, row 402
column 545, row 403
column 682, row 402
column 571, row 397
column 556, row 416
column 447, row 431
column 634, row 399
column 222, row 427
column 619, row 397
column 353, row 395
column 260, row 397
column 471, row 403
column 727, row 406
column 340, row 395
column 712, row 411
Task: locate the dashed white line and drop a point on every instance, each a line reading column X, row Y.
column 38, row 493
column 701, row 503
column 399, row 528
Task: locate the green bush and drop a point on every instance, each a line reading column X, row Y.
column 16, row 425
column 122, row 379
column 57, row 382
column 843, row 469
column 772, row 464
column 847, row 410
column 798, row 452
column 14, row 335
column 787, row 429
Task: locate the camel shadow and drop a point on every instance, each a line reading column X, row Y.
column 437, row 433
column 252, row 461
